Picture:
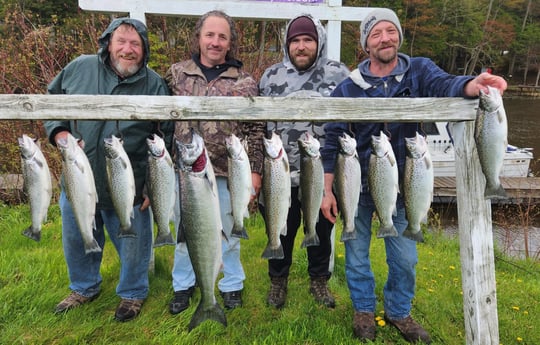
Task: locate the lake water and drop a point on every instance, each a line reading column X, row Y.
column 524, row 126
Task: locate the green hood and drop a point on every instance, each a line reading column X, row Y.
column 103, row 41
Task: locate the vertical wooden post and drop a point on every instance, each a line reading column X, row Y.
column 476, row 242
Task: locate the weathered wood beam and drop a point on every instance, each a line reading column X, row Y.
column 327, row 109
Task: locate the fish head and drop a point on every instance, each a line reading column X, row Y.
column 112, row 147
column 156, row 145
column 69, row 148
column 309, row 146
column 491, row 100
column 27, row 146
column 234, row 146
column 273, row 147
column 380, row 145
column 416, row 146
column 347, row 144
column 190, row 153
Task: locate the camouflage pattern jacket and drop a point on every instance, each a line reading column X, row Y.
column 283, row 79
column 186, row 79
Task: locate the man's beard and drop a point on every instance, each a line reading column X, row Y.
column 124, row 71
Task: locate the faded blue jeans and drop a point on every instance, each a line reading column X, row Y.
column 401, row 258
column 134, row 252
column 183, row 276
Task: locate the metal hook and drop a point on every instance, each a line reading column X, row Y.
column 76, row 130
column 422, row 131
column 118, row 132
column 387, row 132
column 158, row 129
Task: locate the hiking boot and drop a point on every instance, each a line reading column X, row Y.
column 319, row 290
column 411, row 330
column 232, row 299
column 364, row 326
column 72, row 301
column 278, row 292
column 180, row 301
column 128, row 309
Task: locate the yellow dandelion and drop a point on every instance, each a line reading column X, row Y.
column 377, row 318
column 520, row 280
column 440, row 275
column 525, row 312
column 520, row 339
column 381, row 323
column 452, row 267
column 424, row 268
column 516, row 308
column 340, row 255
column 431, row 290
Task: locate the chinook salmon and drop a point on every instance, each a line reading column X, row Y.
column 311, row 187
column 161, row 190
column 383, row 183
column 200, row 224
column 121, row 182
column 80, row 190
column 348, row 184
column 490, row 135
column 276, row 195
column 37, row 184
column 417, row 186
column 239, row 182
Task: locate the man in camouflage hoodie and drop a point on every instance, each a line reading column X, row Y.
column 214, row 71
column 305, row 71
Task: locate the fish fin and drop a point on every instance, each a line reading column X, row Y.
column 495, row 192
column 387, row 231
column 92, row 247
column 428, row 163
column 126, row 231
column 215, row 313
column 391, row 159
column 273, row 253
column 239, row 231
column 283, row 231
column 347, row 235
column 32, row 234
column 164, row 238
column 415, row 236
column 309, row 241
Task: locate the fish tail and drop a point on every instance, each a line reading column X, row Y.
column 413, row 234
column 126, row 231
column 387, row 231
column 164, row 238
column 347, row 235
column 495, row 192
column 33, row 234
column 273, row 253
column 310, row 240
column 215, row 313
column 92, row 247
column 239, row 231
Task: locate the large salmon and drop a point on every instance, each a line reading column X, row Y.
column 200, row 224
column 37, row 184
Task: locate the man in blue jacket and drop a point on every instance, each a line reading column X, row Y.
column 119, row 68
column 387, row 73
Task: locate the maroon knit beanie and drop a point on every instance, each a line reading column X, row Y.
column 302, row 26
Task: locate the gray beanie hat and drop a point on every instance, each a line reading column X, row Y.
column 374, row 17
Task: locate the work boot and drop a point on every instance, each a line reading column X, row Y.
column 232, row 299
column 364, row 326
column 128, row 309
column 319, row 290
column 411, row 330
column 72, row 301
column 180, row 301
column 278, row 292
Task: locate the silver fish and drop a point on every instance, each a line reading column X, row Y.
column 383, row 183
column 201, row 225
column 240, row 184
column 491, row 130
column 348, row 184
column 121, row 182
column 161, row 190
column 37, row 184
column 311, row 187
column 276, row 195
column 417, row 186
column 80, row 190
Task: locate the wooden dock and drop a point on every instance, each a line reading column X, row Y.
column 518, row 189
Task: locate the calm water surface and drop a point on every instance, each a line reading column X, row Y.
column 524, row 126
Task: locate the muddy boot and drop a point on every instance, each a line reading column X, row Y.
column 278, row 292
column 319, row 290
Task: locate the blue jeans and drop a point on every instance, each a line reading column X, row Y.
column 183, row 276
column 401, row 258
column 134, row 252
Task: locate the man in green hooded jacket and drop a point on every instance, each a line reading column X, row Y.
column 119, row 68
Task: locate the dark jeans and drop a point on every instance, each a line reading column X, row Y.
column 318, row 256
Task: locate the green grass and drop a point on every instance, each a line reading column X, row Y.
column 33, row 279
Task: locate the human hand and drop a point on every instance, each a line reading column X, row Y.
column 256, row 180
column 145, row 203
column 329, row 207
column 481, row 83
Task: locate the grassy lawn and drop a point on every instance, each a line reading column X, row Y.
column 33, row 279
